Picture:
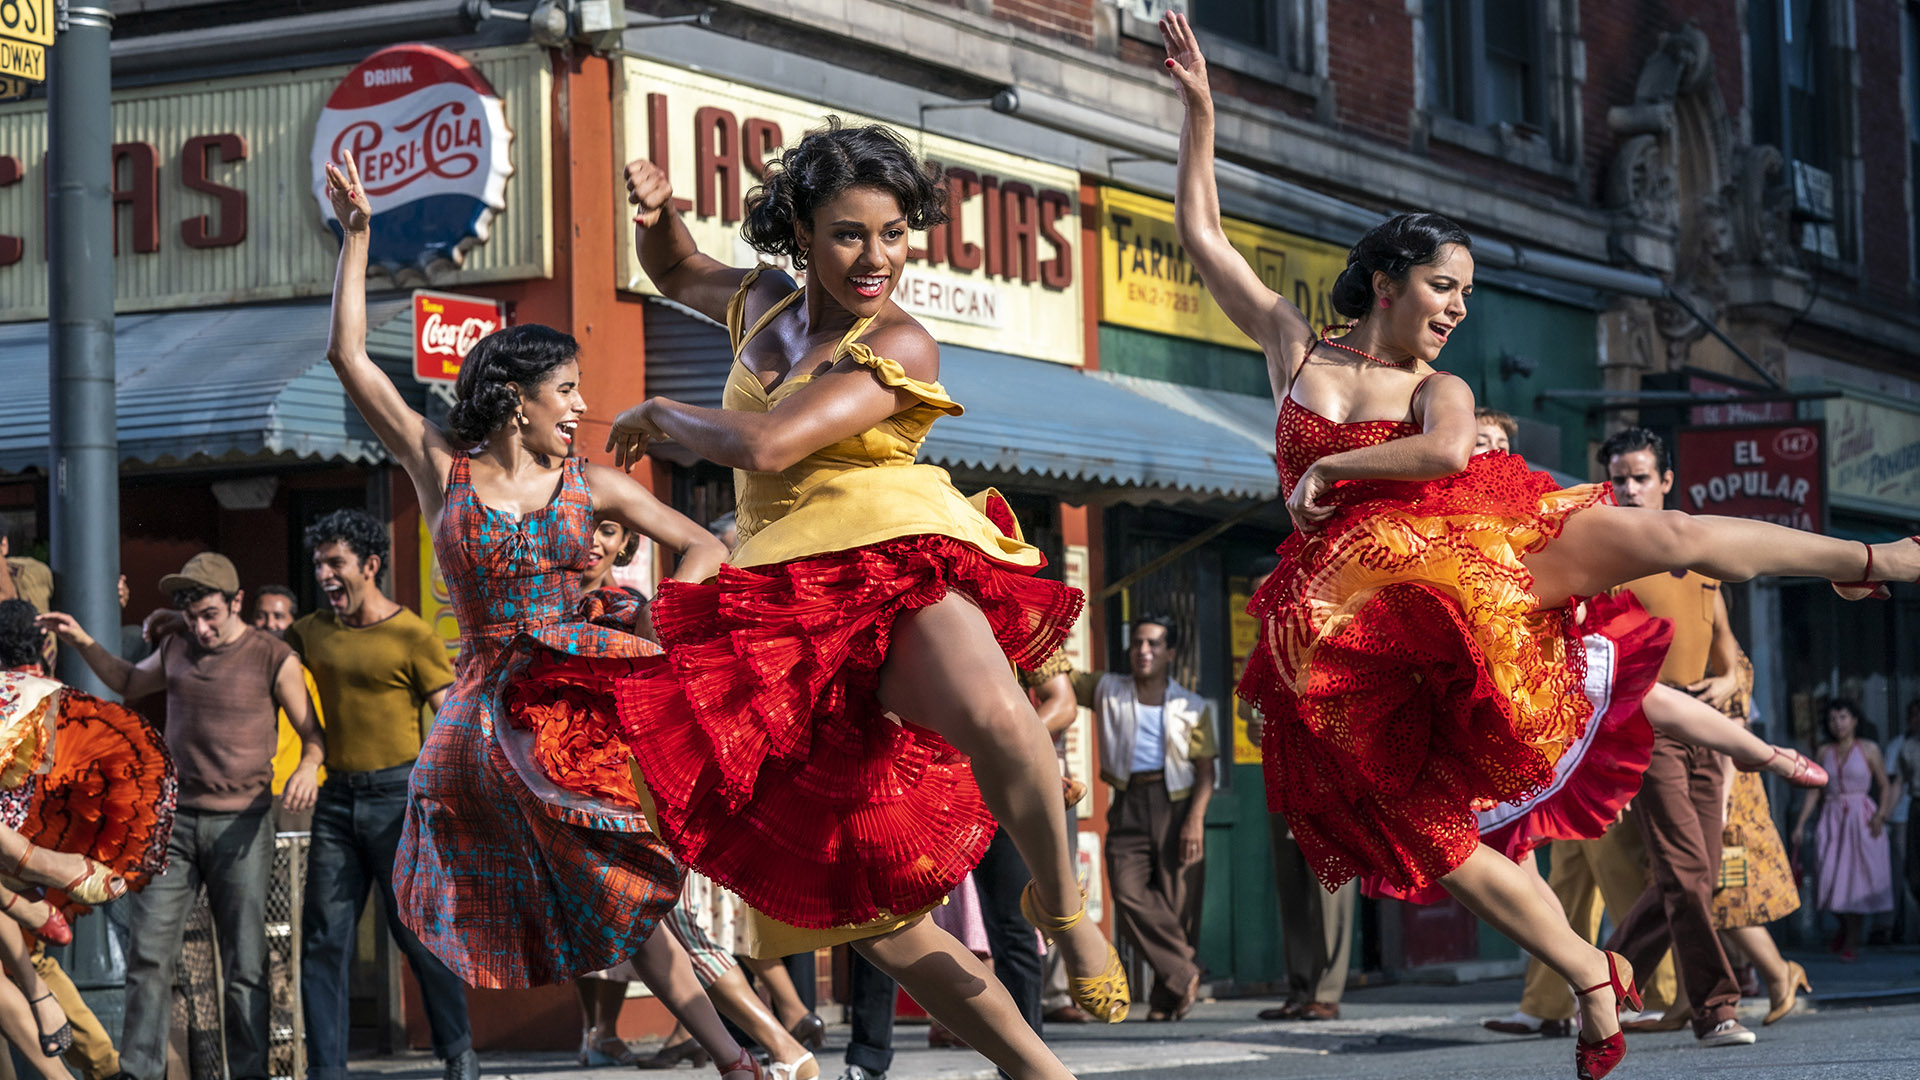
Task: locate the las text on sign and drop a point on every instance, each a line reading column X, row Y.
column 446, row 327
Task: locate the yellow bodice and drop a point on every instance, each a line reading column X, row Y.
column 861, row 490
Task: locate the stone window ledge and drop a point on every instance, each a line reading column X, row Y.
column 1233, row 56
column 1502, row 143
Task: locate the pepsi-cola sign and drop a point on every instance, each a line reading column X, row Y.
column 431, row 140
column 446, row 327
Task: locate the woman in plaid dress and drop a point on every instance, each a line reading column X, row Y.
column 510, row 878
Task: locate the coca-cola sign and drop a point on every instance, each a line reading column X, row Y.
column 431, row 139
column 446, row 327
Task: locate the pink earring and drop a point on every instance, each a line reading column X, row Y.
column 1384, row 301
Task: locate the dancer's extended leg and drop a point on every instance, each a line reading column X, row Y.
column 945, row 672
column 959, row 990
column 1497, row 889
column 1605, row 546
column 664, row 967
column 1696, row 723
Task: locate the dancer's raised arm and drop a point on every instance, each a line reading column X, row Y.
column 1270, row 319
column 667, row 251
column 418, row 446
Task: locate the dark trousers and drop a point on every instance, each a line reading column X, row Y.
column 356, row 832
column 1316, row 927
column 1157, row 897
column 232, row 854
column 1679, row 813
column 998, row 881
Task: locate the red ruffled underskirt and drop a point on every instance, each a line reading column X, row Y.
column 772, row 765
column 109, row 796
column 1600, row 772
column 1406, row 674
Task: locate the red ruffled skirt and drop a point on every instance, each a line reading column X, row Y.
column 109, row 794
column 1600, row 772
column 770, row 761
column 1405, row 672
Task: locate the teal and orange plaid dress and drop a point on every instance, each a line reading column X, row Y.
column 508, row 877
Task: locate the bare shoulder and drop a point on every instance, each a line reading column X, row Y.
column 907, row 343
column 607, row 484
column 772, row 286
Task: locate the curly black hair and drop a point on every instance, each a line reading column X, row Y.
column 360, row 531
column 1628, row 440
column 1393, row 247
column 22, row 642
column 504, row 367
column 828, row 161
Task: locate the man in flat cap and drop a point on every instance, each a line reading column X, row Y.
column 225, row 683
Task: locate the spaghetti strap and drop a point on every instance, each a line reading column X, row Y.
column 737, row 310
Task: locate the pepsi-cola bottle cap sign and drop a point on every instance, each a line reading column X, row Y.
column 432, row 142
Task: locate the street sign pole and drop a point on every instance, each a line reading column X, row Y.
column 84, row 483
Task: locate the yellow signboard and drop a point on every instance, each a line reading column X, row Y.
column 1244, row 631
column 436, row 603
column 1873, row 456
column 20, row 60
column 1149, row 284
column 12, row 89
column 1004, row 275
column 27, row 20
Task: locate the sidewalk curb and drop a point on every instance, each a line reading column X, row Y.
column 1866, row 999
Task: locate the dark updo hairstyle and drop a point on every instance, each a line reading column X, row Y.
column 828, row 161
column 1393, row 247
column 505, row 365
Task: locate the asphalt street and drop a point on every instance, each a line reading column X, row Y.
column 1867, row 1027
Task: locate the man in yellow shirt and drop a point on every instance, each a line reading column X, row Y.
column 375, row 664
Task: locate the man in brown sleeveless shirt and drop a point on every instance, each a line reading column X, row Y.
column 225, row 683
column 1680, row 800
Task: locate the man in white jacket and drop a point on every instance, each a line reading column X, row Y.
column 1157, row 747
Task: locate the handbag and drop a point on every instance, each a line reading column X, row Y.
column 1733, row 860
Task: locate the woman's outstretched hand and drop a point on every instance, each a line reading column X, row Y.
column 632, row 431
column 1184, row 62
column 349, row 195
column 1304, row 504
column 648, row 189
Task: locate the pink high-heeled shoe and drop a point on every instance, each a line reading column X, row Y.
column 1806, row 772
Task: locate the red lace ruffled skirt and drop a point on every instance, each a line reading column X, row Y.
column 1406, row 676
column 1600, row 771
column 771, row 763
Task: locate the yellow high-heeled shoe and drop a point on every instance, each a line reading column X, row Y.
column 1105, row 995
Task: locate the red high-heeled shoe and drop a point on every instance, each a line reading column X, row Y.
column 1593, row 1060
column 747, row 1063
column 1806, row 772
column 1866, row 588
column 55, row 931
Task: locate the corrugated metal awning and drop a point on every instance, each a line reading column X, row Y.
column 209, row 385
column 1051, row 420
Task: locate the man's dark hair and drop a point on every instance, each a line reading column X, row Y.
column 265, row 591
column 187, row 597
column 1165, row 622
column 1628, row 440
column 360, row 531
column 22, row 642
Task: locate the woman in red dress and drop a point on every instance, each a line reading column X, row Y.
column 834, row 692
column 1419, row 656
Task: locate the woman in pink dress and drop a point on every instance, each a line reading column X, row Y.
column 1856, row 876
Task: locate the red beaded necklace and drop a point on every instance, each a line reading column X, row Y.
column 1325, row 340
